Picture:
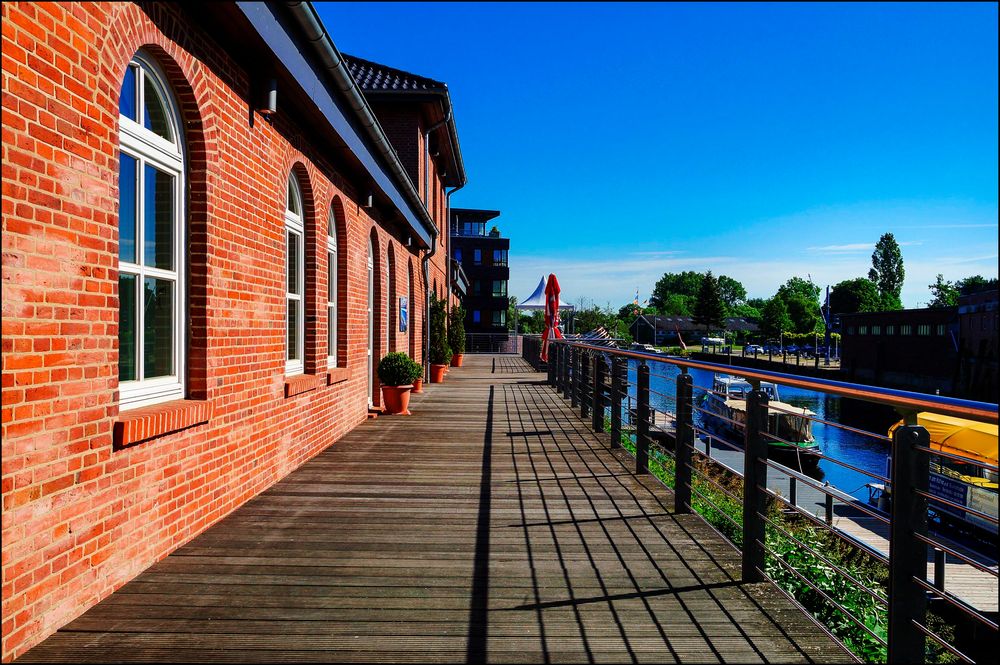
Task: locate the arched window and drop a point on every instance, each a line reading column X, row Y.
column 152, row 334
column 331, row 289
column 295, row 278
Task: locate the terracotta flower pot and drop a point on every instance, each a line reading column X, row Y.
column 418, row 386
column 437, row 373
column 456, row 360
column 396, row 399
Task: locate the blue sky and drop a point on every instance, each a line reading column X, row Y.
column 621, row 141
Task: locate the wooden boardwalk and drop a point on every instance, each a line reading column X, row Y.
column 490, row 526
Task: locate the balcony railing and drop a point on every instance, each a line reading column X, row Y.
column 612, row 389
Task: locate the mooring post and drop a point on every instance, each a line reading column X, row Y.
column 617, row 388
column 642, row 419
column 754, row 482
column 909, row 473
column 683, row 441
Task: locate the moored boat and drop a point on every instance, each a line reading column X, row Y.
column 725, row 413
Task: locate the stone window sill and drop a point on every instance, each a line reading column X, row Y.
column 336, row 375
column 302, row 383
column 148, row 422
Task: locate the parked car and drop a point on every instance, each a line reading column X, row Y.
column 753, row 349
column 792, row 348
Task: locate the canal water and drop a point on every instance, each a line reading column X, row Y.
column 851, row 447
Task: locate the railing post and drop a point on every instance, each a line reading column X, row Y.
column 791, row 491
column 574, row 393
column 754, row 482
column 642, row 419
column 829, row 508
column 619, row 369
column 586, row 360
column 574, row 368
column 939, row 568
column 683, row 441
column 567, row 368
column 550, row 364
column 597, row 395
column 910, row 472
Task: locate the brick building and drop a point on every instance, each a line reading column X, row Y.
column 910, row 349
column 207, row 233
column 483, row 257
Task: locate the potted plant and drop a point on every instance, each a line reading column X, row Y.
column 440, row 352
column 396, row 373
column 456, row 335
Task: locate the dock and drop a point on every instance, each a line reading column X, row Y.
column 490, row 526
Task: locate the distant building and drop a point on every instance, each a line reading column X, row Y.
column 910, row 349
column 977, row 326
column 663, row 330
column 482, row 256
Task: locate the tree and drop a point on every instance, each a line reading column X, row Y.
column 975, row 284
column 796, row 286
column 805, row 314
column 748, row 312
column 757, row 303
column 887, row 271
column 945, row 293
column 855, row 295
column 709, row 310
column 685, row 283
column 732, row 293
column 774, row 319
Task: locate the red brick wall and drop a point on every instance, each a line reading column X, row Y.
column 80, row 516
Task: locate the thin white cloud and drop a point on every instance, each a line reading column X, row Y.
column 856, row 247
column 950, row 226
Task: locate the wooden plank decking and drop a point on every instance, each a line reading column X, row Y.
column 489, row 526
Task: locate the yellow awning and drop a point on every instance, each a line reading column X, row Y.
column 958, row 436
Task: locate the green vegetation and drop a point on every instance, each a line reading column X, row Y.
column 708, row 308
column 440, row 352
column 855, row 295
column 945, row 293
column 398, row 369
column 887, row 271
column 456, row 329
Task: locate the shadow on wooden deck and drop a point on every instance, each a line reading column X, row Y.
column 491, row 526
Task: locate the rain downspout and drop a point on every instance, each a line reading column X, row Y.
column 434, row 243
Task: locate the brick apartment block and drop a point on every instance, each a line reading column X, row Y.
column 147, row 384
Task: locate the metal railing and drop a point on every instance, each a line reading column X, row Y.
column 595, row 379
column 500, row 342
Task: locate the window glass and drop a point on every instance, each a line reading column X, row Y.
column 127, row 98
column 924, row 329
column 154, row 110
column 158, row 328
column 293, row 262
column 126, row 328
column 293, row 338
column 940, row 329
column 477, row 256
column 458, row 254
column 158, row 194
column 127, row 186
column 906, row 329
column 476, row 316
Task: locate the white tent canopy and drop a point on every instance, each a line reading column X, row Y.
column 536, row 301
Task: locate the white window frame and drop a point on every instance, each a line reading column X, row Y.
column 148, row 148
column 331, row 289
column 295, row 226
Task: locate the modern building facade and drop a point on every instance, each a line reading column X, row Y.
column 212, row 231
column 483, row 255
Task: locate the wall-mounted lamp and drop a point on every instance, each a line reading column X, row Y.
column 409, row 241
column 270, row 100
column 369, row 200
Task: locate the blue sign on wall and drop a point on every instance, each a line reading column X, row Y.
column 403, row 322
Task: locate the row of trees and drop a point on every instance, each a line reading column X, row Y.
column 794, row 308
